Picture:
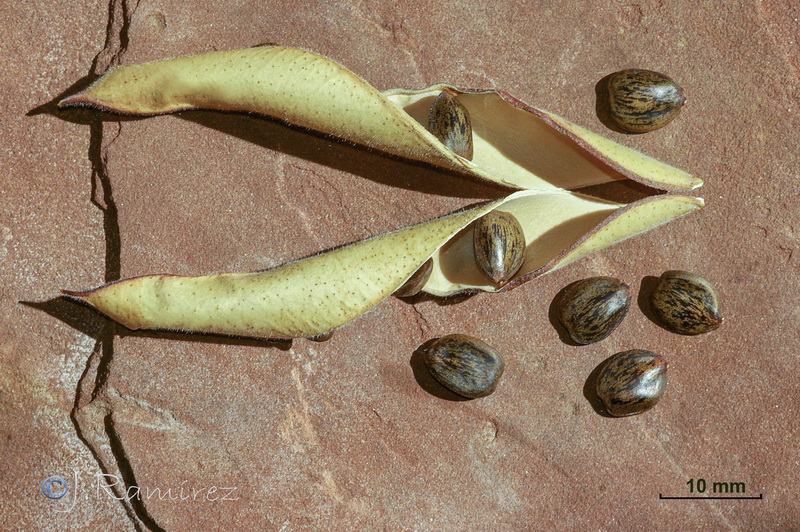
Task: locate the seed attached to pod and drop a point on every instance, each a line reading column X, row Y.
column 499, row 245
column 465, row 365
column 591, row 309
column 686, row 303
column 632, row 382
column 449, row 121
column 415, row 283
column 643, row 100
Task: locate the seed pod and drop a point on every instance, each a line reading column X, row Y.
column 499, row 245
column 632, row 382
column 320, row 293
column 415, row 283
column 449, row 121
column 591, row 309
column 643, row 100
column 465, row 365
column 686, row 303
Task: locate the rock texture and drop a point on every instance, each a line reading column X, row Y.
column 353, row 433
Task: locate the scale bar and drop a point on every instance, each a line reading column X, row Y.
column 760, row 496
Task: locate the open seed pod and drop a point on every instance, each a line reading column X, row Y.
column 514, row 144
column 542, row 155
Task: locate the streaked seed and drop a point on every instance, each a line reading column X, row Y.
column 643, row 100
column 449, row 121
column 324, row 337
column 685, row 303
column 592, row 308
column 465, row 365
column 499, row 244
column 631, row 382
column 417, row 281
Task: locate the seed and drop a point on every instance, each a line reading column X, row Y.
column 686, row 303
column 324, row 337
column 643, row 100
column 499, row 245
column 449, row 121
column 591, row 309
column 415, row 283
column 632, row 382
column 464, row 365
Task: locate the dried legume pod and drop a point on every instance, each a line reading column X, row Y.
column 514, row 144
column 592, row 308
column 465, row 365
column 686, row 303
column 632, row 382
column 316, row 295
column 309, row 297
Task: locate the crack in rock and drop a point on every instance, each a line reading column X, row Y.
column 92, row 413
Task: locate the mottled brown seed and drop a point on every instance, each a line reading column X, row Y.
column 417, row 281
column 685, row 303
column 499, row 245
column 591, row 309
column 465, row 365
column 643, row 100
column 449, row 121
column 324, row 337
column 631, row 382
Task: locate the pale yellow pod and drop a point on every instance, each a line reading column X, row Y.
column 516, row 145
column 321, row 293
column 545, row 156
column 300, row 87
column 305, row 298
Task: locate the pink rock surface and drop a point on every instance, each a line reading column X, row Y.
column 353, row 433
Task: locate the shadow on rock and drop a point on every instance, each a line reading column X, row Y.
column 552, row 316
column 590, row 391
column 646, row 290
column 344, row 156
column 603, row 106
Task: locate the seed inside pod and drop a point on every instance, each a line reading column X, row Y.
column 643, row 100
column 499, row 245
column 449, row 121
column 591, row 309
column 415, row 283
column 465, row 365
column 631, row 382
column 686, row 303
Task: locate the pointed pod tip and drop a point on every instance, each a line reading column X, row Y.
column 696, row 182
column 75, row 294
column 76, row 100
